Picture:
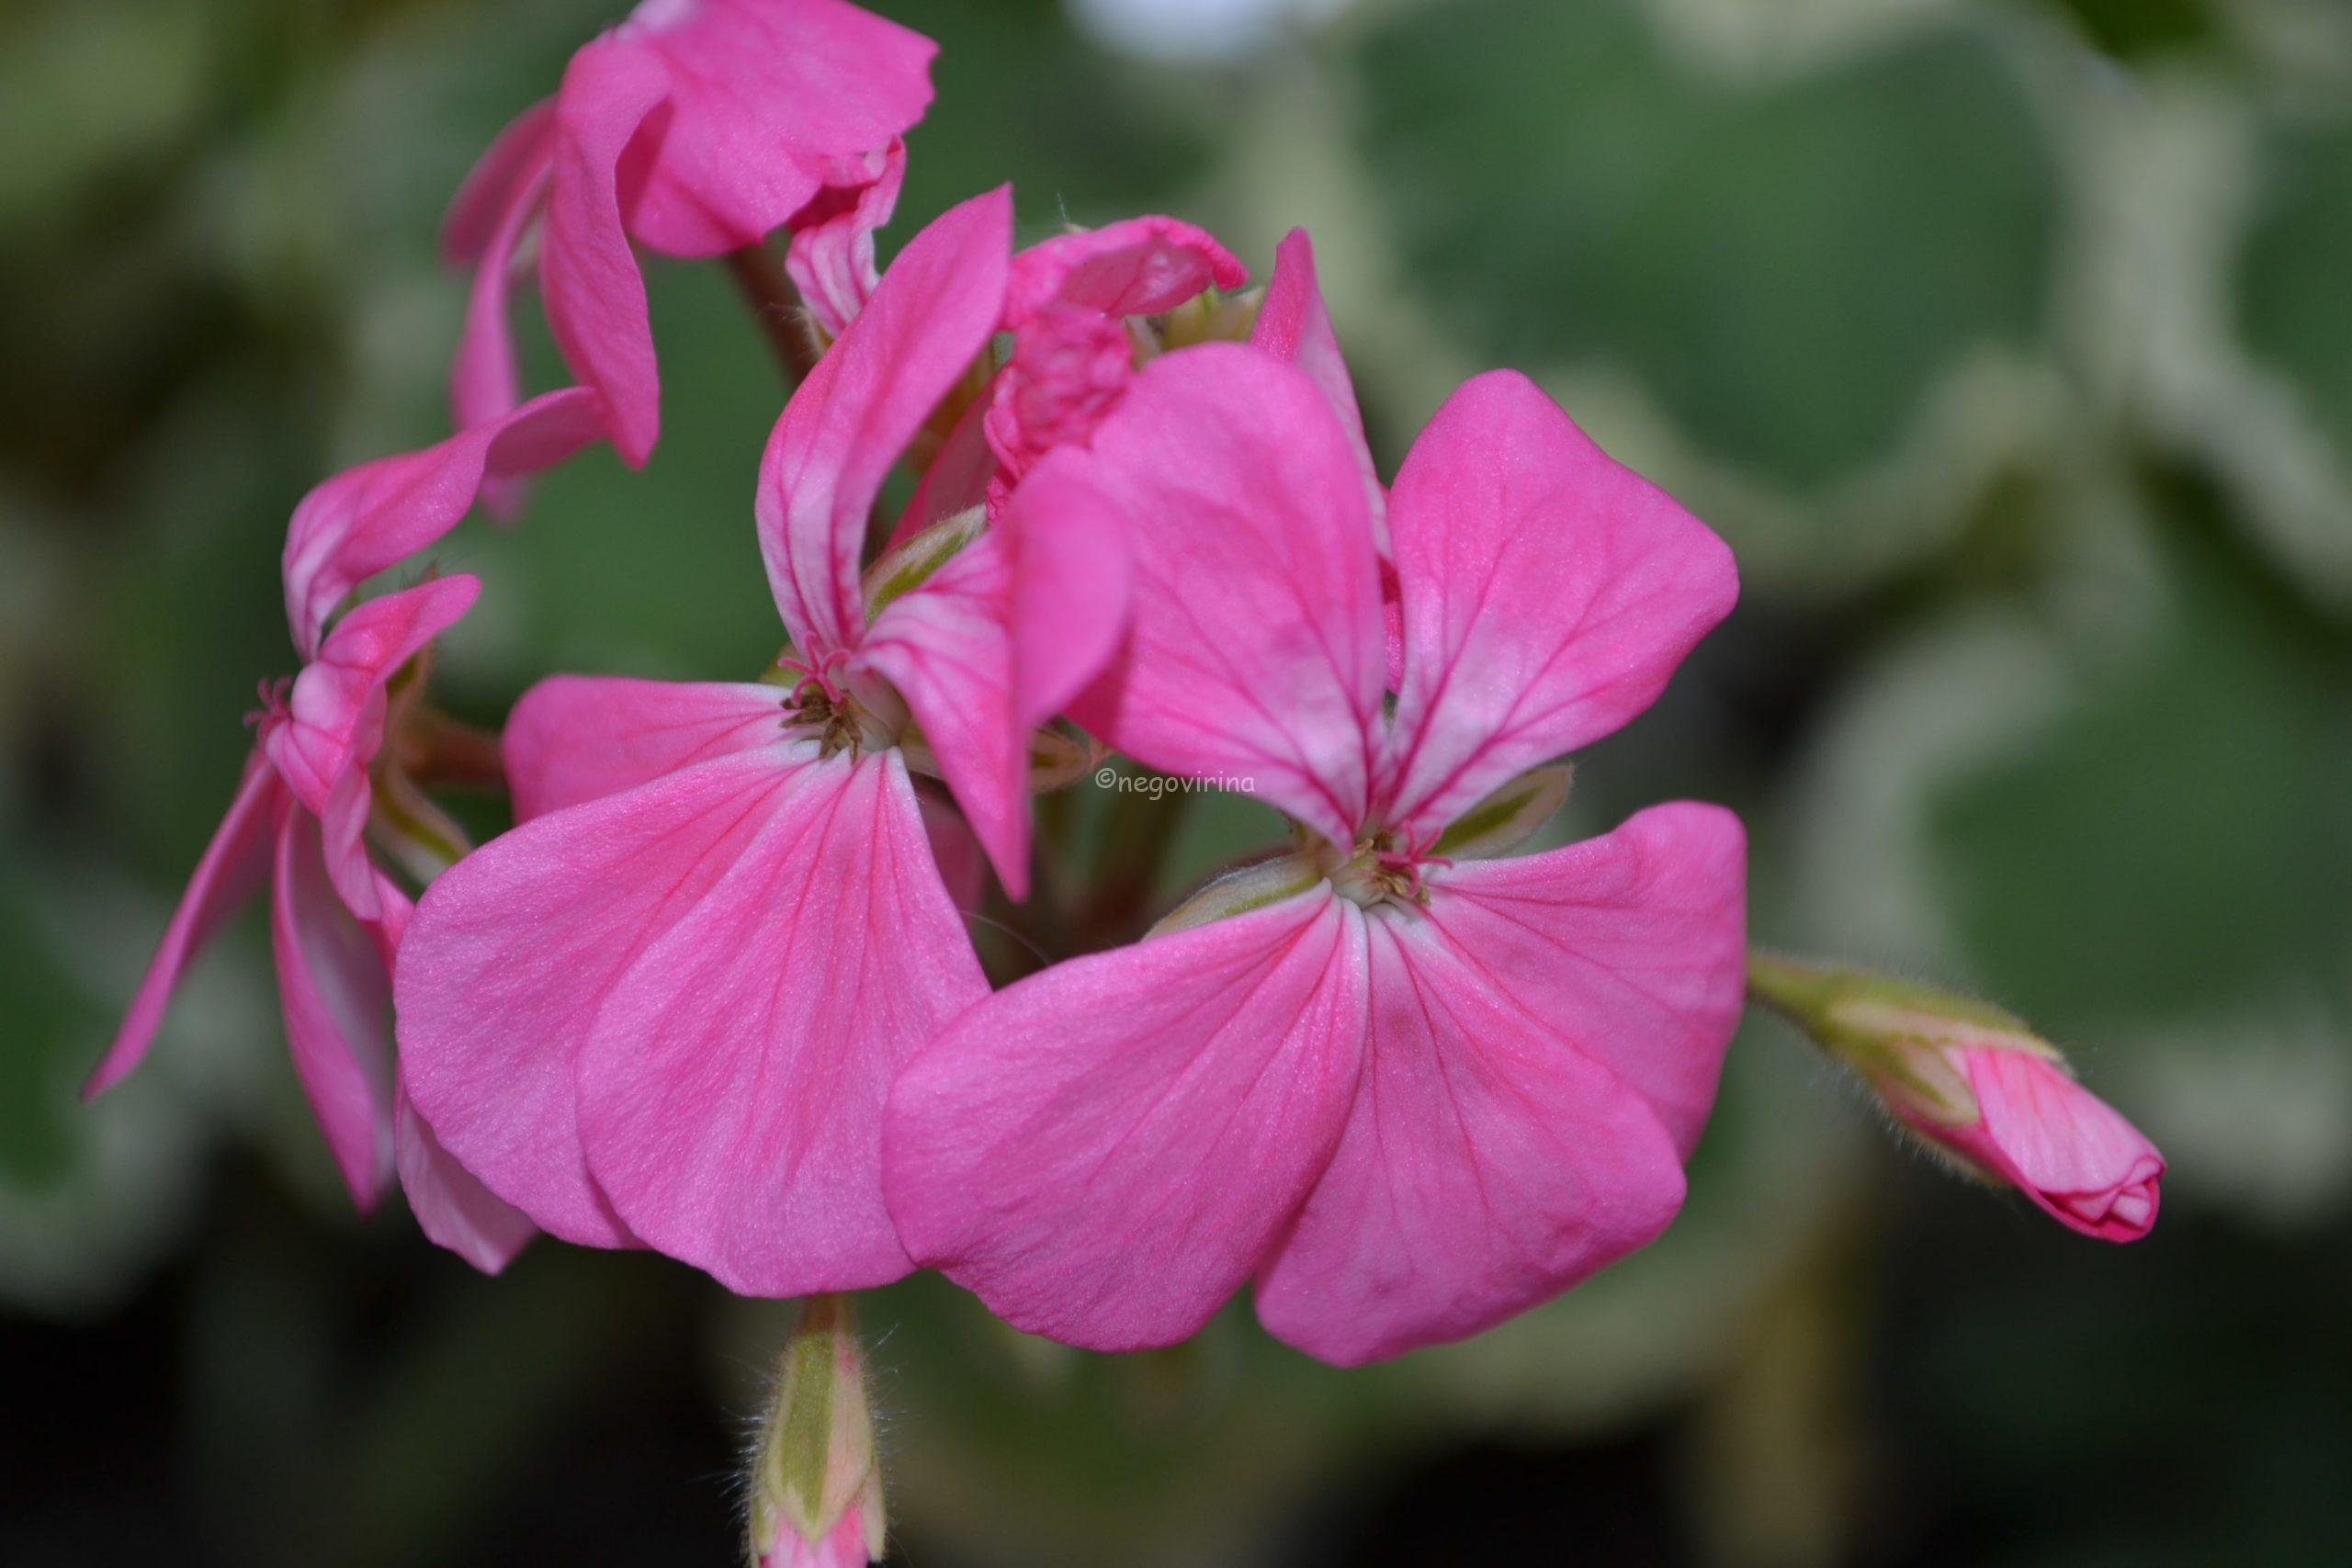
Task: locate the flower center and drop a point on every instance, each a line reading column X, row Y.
column 1385, row 867
column 840, row 713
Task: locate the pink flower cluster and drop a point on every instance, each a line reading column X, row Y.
column 713, row 994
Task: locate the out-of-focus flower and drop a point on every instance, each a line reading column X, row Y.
column 817, row 1481
column 314, row 793
column 694, row 128
column 1410, row 1092
column 668, row 1007
column 1980, row 1090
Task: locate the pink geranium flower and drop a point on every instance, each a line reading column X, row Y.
column 694, row 128
column 1409, row 1091
column 308, row 797
column 668, row 1007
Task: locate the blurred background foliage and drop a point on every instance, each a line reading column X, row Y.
column 2008, row 342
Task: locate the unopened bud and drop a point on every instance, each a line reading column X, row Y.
column 1978, row 1087
column 817, row 1483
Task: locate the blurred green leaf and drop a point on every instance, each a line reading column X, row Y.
column 2293, row 301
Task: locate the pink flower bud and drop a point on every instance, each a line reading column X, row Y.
column 816, row 1483
column 1980, row 1090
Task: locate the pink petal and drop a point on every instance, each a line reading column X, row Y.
column 577, row 738
column 230, row 868
column 1487, row 1165
column 831, row 259
column 945, row 647
column 483, row 380
column 963, row 865
column 588, row 277
column 2062, row 1145
column 1632, row 948
column 451, row 1208
column 513, row 951
column 367, row 519
column 1068, row 550
column 1104, row 1152
column 1139, row 267
column 958, row 478
column 514, row 160
column 336, row 997
column 766, row 95
column 731, row 1089
column 1254, row 655
column 1069, row 369
column 1548, row 594
column 849, row 421
column 1294, row 326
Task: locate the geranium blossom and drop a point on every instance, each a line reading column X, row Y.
column 1409, row 1091
column 668, row 1008
column 694, row 128
column 309, row 798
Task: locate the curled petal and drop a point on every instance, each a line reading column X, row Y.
column 2059, row 1144
column 515, row 949
column 452, row 1209
column 831, row 259
column 231, row 868
column 1254, row 655
column 578, row 737
column 1294, row 326
column 514, row 160
column 483, row 380
column 1139, row 267
column 1104, row 1152
column 1547, row 593
column 1631, row 947
column 1487, row 1165
column 731, row 1089
column 336, row 997
column 849, row 421
column 767, row 97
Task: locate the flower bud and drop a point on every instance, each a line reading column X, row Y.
column 1978, row 1089
column 817, row 1483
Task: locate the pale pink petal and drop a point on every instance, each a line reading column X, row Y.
column 732, row 1090
column 1254, row 657
column 1632, row 947
column 1104, row 1152
column 1068, row 550
column 2065, row 1148
column 373, row 517
column 765, row 96
column 231, row 868
column 576, row 737
column 1294, row 326
column 514, row 160
column 1548, row 593
column 451, row 1208
column 831, row 259
column 513, row 951
column 588, row 277
column 483, row 380
column 958, row 478
column 1487, row 1165
column 1140, row 266
column 849, row 421
column 337, row 1000
column 945, row 647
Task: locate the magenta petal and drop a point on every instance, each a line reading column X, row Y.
column 576, row 737
column 963, row 864
column 452, row 1209
column 512, row 162
column 1632, row 947
column 731, row 1090
column 849, row 421
column 766, row 95
column 1487, row 1165
column 831, row 259
column 945, row 648
column 2062, row 1145
column 1294, row 326
column 1548, row 593
column 514, row 949
column 1137, row 268
column 1254, row 657
column 1067, row 547
column 958, row 477
column 483, row 380
column 231, row 868
column 379, row 514
column 1104, row 1152
column 588, row 277
column 336, row 997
